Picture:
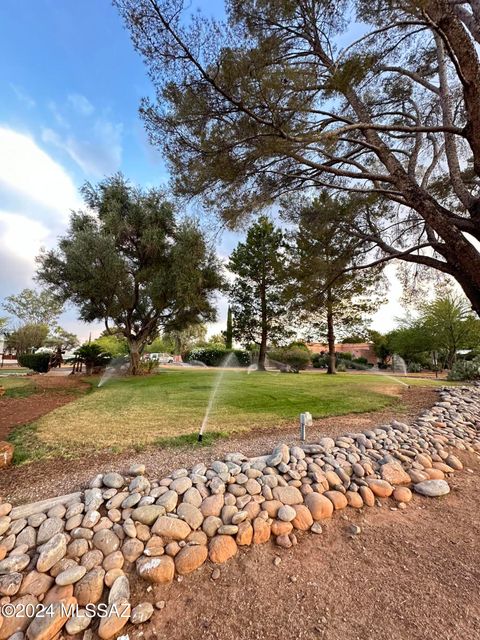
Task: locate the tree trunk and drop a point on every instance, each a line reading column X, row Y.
column 262, row 354
column 331, row 369
column 135, row 349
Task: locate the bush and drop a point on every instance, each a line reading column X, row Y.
column 295, row 357
column 414, row 367
column 319, row 360
column 465, row 370
column 345, row 356
column 341, row 367
column 215, row 356
column 361, row 360
column 36, row 361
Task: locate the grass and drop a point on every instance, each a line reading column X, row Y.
column 167, row 409
column 17, row 387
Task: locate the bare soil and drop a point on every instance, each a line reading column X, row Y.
column 51, row 392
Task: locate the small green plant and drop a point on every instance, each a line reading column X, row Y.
column 296, row 357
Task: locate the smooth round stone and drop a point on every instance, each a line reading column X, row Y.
column 71, row 575
column 432, row 488
column 286, row 513
column 141, row 613
column 113, row 480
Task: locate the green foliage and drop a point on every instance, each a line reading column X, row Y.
column 114, row 345
column 360, row 360
column 128, row 262
column 34, row 308
column 319, row 360
column 36, row 361
column 215, row 356
column 329, row 297
column 27, row 338
column 414, row 367
column 444, row 326
column 179, row 341
column 295, row 356
column 92, row 356
column 257, row 295
column 465, row 370
column 62, row 339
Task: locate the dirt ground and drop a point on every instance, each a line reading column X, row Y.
column 52, row 477
column 52, row 392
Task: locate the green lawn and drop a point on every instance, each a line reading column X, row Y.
column 17, row 386
column 169, row 407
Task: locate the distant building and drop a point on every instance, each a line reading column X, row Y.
column 358, row 350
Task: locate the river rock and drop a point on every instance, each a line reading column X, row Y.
column 158, row 570
column 52, row 552
column 47, row 626
column 320, row 506
column 222, row 548
column 171, row 528
column 116, row 617
column 113, row 480
column 90, row 588
column 141, row 613
column 432, row 488
column 394, row 474
column 190, row 558
column 288, row 495
column 147, row 514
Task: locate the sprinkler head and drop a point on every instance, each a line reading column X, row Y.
column 200, row 437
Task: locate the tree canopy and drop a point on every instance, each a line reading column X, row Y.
column 329, row 295
column 128, row 262
column 34, row 307
column 285, row 97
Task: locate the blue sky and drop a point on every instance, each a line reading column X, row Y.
column 69, row 96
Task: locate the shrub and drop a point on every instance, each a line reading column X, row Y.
column 319, row 360
column 345, row 356
column 465, row 370
column 215, row 356
column 294, row 357
column 414, row 367
column 341, row 367
column 36, row 361
column 361, row 360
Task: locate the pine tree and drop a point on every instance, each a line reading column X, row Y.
column 257, row 294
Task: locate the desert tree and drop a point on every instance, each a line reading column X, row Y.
column 125, row 260
column 330, row 295
column 285, row 97
column 257, row 294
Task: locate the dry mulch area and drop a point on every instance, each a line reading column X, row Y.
column 51, row 392
column 52, row 477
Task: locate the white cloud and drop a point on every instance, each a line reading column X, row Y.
column 27, row 172
column 101, row 154
column 23, row 96
column 37, row 195
column 81, row 104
